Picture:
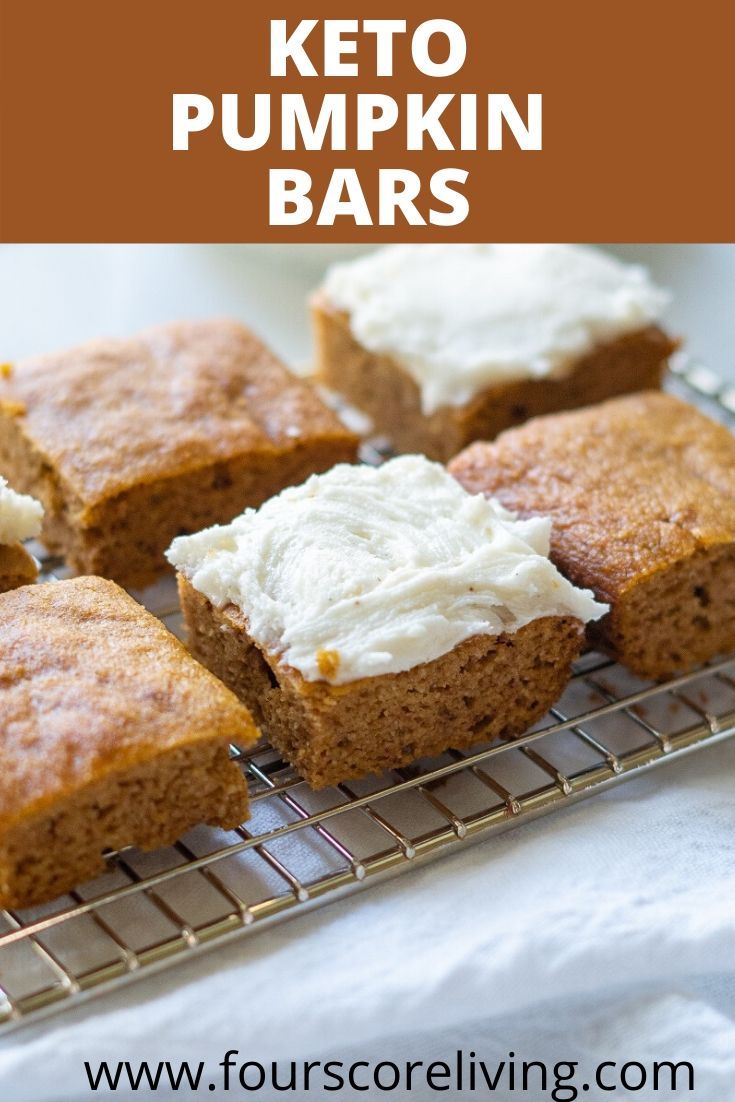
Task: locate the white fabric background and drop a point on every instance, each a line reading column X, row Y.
column 604, row 932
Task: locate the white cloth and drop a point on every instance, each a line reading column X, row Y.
column 591, row 935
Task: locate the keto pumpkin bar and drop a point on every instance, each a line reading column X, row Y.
column 641, row 494
column 445, row 344
column 374, row 616
column 111, row 735
column 20, row 519
column 129, row 443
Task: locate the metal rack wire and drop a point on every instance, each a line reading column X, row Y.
column 301, row 849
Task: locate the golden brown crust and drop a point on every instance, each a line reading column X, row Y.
column 112, row 414
column 379, row 385
column 92, row 685
column 105, row 435
column 17, row 567
column 640, row 490
column 631, row 485
column 486, row 687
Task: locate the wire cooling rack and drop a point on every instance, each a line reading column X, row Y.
column 301, row 849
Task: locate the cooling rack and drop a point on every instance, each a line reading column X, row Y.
column 301, row 849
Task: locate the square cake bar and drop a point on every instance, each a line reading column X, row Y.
column 129, row 443
column 374, row 616
column 111, row 735
column 445, row 344
column 641, row 494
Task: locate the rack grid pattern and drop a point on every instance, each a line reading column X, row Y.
column 301, row 849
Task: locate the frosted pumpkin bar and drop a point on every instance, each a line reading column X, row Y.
column 641, row 494
column 373, row 616
column 129, row 443
column 110, row 735
column 444, row 344
column 20, row 519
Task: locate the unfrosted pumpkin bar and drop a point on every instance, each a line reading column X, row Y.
column 641, row 494
column 17, row 567
column 20, row 519
column 111, row 735
column 445, row 344
column 129, row 443
column 374, row 616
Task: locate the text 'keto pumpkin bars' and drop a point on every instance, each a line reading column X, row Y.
column 444, row 344
column 111, row 735
column 641, row 493
column 373, row 616
column 20, row 519
column 129, row 443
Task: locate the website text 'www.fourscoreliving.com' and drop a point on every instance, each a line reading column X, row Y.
column 464, row 1072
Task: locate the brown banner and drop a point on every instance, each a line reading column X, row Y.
column 634, row 117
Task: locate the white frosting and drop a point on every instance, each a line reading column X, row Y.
column 381, row 568
column 459, row 318
column 20, row 515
